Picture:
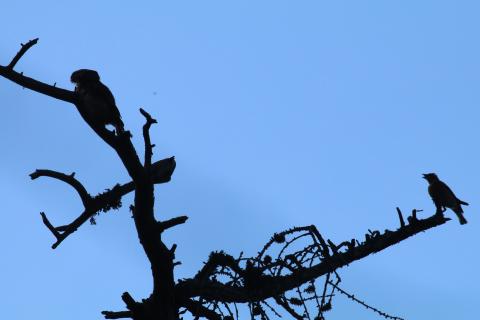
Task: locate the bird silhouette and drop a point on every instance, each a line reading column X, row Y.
column 97, row 100
column 443, row 197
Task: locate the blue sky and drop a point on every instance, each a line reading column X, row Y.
column 279, row 113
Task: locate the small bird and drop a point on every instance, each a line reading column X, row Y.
column 443, row 197
column 97, row 100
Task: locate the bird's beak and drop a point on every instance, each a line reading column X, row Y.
column 424, row 176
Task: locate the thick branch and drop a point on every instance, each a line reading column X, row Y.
column 271, row 286
column 159, row 256
column 40, row 87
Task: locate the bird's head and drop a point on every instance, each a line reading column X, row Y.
column 430, row 177
column 84, row 76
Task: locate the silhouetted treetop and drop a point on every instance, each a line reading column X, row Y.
column 296, row 273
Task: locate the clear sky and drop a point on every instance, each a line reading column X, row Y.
column 279, row 113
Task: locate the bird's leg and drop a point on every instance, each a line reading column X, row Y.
column 440, row 210
column 118, row 129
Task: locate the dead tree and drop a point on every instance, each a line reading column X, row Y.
column 295, row 273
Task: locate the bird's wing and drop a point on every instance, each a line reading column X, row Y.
column 109, row 99
column 448, row 194
column 445, row 191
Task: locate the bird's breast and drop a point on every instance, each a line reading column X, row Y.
column 97, row 109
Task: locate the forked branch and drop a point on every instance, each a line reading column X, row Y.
column 32, row 84
column 161, row 172
column 22, row 51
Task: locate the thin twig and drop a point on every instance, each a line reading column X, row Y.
column 22, row 51
column 400, row 217
column 164, row 225
column 198, row 310
column 117, row 314
column 284, row 304
column 50, row 227
column 352, row 297
column 146, row 137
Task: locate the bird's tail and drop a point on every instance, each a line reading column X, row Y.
column 457, row 209
column 459, row 212
column 461, row 218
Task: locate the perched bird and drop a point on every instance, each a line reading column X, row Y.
column 443, row 197
column 97, row 100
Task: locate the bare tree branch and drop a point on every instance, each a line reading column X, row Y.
column 281, row 302
column 198, row 310
column 26, row 82
column 271, row 286
column 164, row 225
column 67, row 178
column 218, row 259
column 22, row 51
column 49, row 226
column 40, row 87
column 146, row 137
column 161, row 172
column 352, row 297
column 117, row 314
column 129, row 301
column 400, row 217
